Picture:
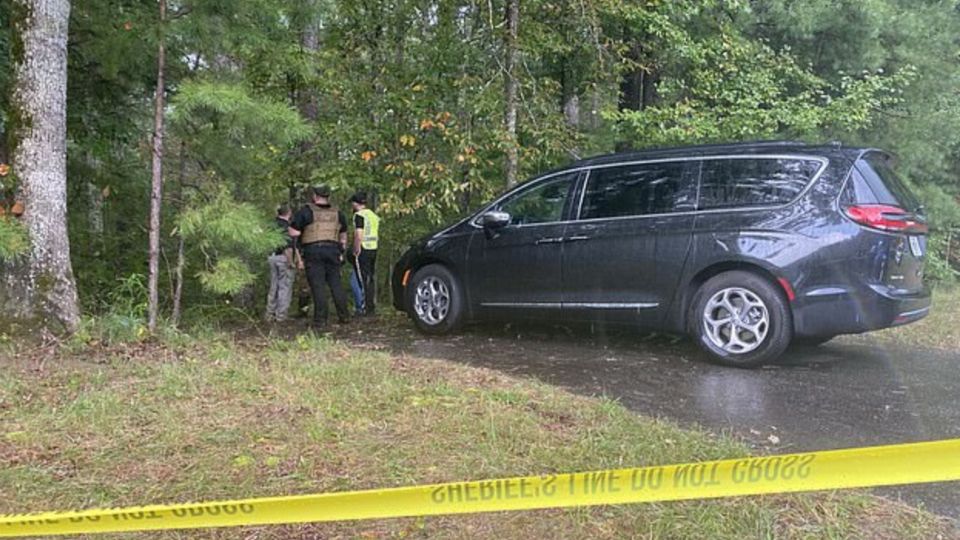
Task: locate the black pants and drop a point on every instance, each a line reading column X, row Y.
column 322, row 264
column 368, row 271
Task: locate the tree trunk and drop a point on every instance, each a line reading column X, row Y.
column 570, row 96
column 631, row 83
column 178, row 287
column 305, row 95
column 310, row 42
column 39, row 287
column 512, row 23
column 638, row 86
column 156, row 184
column 593, row 121
column 94, row 209
column 181, row 260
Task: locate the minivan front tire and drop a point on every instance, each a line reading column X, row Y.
column 741, row 319
column 435, row 300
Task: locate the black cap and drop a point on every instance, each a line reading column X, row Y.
column 359, row 198
column 321, row 191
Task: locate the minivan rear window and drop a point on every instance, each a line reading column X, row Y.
column 745, row 182
column 881, row 185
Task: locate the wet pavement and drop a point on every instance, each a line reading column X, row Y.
column 849, row 392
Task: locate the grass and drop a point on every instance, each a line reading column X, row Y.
column 938, row 330
column 210, row 418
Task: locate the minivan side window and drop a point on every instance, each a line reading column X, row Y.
column 541, row 204
column 636, row 190
column 729, row 183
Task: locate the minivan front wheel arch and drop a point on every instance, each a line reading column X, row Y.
column 694, row 285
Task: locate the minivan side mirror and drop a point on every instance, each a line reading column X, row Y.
column 495, row 219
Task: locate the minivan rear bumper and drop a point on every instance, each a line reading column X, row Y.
column 830, row 311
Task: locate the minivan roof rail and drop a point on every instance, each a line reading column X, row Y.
column 711, row 146
column 725, row 144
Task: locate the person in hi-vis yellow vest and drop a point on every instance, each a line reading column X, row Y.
column 365, row 242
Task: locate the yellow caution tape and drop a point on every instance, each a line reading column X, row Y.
column 857, row 467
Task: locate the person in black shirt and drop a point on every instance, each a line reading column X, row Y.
column 322, row 233
column 282, row 267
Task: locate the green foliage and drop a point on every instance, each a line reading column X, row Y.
column 228, row 225
column 241, row 116
column 404, row 99
column 129, row 298
column 222, row 230
column 124, row 318
column 940, row 267
column 229, row 275
column 728, row 88
column 943, row 213
column 13, row 239
column 940, row 207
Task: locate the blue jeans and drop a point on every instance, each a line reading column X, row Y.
column 357, row 291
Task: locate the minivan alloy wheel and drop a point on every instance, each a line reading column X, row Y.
column 432, row 300
column 736, row 320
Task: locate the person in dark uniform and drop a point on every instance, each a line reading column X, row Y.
column 322, row 233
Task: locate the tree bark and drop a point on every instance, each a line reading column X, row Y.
column 570, row 97
column 94, row 209
column 178, row 287
column 512, row 24
column 39, row 287
column 310, row 43
column 156, row 184
column 631, row 83
column 593, row 121
column 638, row 86
column 306, row 96
column 181, row 257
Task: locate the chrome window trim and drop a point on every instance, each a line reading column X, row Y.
column 824, row 162
column 576, row 305
column 545, row 305
column 611, row 305
column 526, row 186
column 583, row 193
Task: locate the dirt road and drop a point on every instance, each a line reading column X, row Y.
column 850, row 392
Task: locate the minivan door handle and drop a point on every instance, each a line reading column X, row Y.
column 556, row 240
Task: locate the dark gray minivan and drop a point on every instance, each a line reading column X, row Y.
column 746, row 247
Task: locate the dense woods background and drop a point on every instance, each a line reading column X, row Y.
column 434, row 106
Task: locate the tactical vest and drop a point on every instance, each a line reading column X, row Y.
column 371, row 228
column 325, row 226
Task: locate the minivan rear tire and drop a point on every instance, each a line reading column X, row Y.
column 767, row 312
column 446, row 315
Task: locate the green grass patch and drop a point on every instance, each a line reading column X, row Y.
column 189, row 421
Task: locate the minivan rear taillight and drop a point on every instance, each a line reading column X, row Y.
column 886, row 218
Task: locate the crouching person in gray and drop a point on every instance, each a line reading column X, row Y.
column 283, row 264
